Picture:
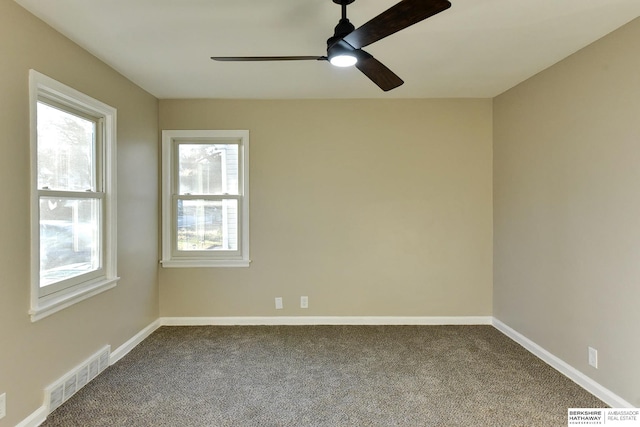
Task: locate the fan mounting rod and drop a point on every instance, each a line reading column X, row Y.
column 344, row 4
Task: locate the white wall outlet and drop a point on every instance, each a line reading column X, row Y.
column 278, row 303
column 304, row 302
column 593, row 357
column 3, row 405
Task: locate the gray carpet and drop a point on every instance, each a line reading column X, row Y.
column 326, row 376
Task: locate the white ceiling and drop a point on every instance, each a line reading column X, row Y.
column 477, row 48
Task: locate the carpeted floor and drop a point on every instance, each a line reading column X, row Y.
column 326, row 376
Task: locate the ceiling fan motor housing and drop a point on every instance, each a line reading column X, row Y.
column 343, row 28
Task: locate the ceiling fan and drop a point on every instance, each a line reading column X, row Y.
column 344, row 48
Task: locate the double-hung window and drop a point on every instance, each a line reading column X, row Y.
column 73, row 196
column 205, row 200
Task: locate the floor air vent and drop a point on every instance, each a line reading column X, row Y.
column 61, row 390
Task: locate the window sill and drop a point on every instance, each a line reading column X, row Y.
column 206, row 263
column 46, row 306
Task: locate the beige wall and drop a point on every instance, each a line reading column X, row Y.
column 370, row 208
column 567, row 209
column 32, row 355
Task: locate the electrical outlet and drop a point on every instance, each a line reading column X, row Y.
column 278, row 303
column 593, row 357
column 304, row 302
column 3, row 405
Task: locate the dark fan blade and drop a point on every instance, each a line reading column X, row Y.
column 377, row 71
column 268, row 58
column 398, row 17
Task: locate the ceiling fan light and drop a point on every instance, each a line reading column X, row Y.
column 343, row 60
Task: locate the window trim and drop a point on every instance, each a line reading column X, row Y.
column 170, row 140
column 43, row 87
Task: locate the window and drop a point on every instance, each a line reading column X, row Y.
column 73, row 227
column 205, row 198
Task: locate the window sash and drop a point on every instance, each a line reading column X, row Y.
column 96, row 193
column 175, row 181
column 97, row 170
column 215, row 253
column 176, row 196
column 71, row 194
column 93, row 274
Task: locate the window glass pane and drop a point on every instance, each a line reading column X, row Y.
column 69, row 238
column 208, row 168
column 205, row 225
column 65, row 150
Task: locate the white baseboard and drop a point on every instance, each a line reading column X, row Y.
column 125, row 348
column 602, row 393
column 325, row 320
column 35, row 419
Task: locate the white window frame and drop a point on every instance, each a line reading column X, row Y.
column 170, row 257
column 43, row 301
